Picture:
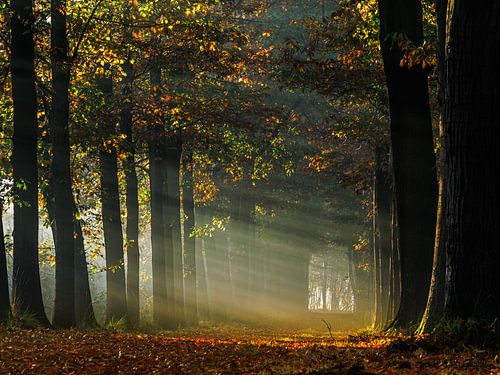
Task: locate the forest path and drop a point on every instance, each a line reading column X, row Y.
column 228, row 350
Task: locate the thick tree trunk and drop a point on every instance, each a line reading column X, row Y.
column 131, row 196
column 84, row 311
column 435, row 303
column 26, row 289
column 4, row 278
column 64, row 304
column 413, row 156
column 175, row 275
column 472, row 160
column 191, row 310
column 116, row 303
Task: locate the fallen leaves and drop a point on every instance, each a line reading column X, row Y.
column 226, row 351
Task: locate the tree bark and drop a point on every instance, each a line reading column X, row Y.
column 395, row 271
column 190, row 305
column 26, row 288
column 64, row 304
column 116, row 303
column 201, row 266
column 4, row 278
column 413, row 156
column 131, row 198
column 383, row 197
column 158, row 239
column 84, row 310
column 131, row 193
column 377, row 310
column 173, row 219
column 435, row 302
column 472, row 160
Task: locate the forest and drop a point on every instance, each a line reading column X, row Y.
column 249, row 186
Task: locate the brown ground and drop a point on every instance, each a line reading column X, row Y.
column 231, row 351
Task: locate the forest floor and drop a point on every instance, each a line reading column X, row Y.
column 232, row 350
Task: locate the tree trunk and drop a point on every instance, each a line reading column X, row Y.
column 201, row 266
column 84, row 311
column 4, row 278
column 377, row 311
column 116, row 303
column 383, row 197
column 413, row 156
column 190, row 305
column 131, row 197
column 173, row 211
column 158, row 237
column 26, row 289
column 395, row 286
column 472, row 160
column 435, row 302
column 131, row 193
column 64, row 304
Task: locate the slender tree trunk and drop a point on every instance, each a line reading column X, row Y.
column 246, row 217
column 84, row 310
column 168, row 203
column 435, row 302
column 4, row 278
column 377, row 318
column 383, row 196
column 191, row 309
column 26, row 288
column 64, row 304
column 131, row 196
column 161, row 233
column 413, row 156
column 201, row 266
column 472, row 160
column 158, row 237
column 395, row 262
column 131, row 193
column 173, row 211
column 215, row 277
column 116, row 303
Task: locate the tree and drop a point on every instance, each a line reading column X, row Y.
column 132, row 203
column 64, row 305
column 413, row 153
column 26, row 291
column 190, row 289
column 4, row 280
column 472, row 161
column 84, row 310
column 435, row 302
column 116, row 303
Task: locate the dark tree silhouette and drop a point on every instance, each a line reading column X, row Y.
column 472, row 160
column 413, row 155
column 4, row 279
column 116, row 303
column 191, row 309
column 64, row 304
column 26, row 289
